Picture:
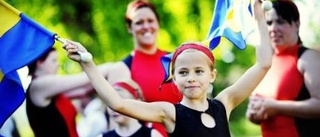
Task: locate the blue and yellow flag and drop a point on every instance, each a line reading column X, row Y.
column 21, row 41
column 232, row 22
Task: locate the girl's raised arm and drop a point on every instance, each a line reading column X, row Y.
column 239, row 91
column 152, row 112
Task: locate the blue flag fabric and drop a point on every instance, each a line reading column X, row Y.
column 231, row 24
column 22, row 41
column 167, row 65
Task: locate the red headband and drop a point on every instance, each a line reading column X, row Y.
column 196, row 46
column 134, row 6
column 129, row 88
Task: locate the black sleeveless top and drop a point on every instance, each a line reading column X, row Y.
column 142, row 132
column 55, row 120
column 188, row 121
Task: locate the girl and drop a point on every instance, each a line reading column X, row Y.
column 193, row 71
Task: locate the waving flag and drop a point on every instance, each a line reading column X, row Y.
column 167, row 66
column 21, row 41
column 232, row 22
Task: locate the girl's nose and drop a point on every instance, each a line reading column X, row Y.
column 191, row 78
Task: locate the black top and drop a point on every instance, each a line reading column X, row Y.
column 55, row 120
column 142, row 132
column 188, row 121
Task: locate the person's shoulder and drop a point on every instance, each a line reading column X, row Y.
column 128, row 59
column 313, row 51
column 310, row 54
column 215, row 101
column 163, row 51
column 309, row 59
column 119, row 65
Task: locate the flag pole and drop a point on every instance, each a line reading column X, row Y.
column 84, row 56
column 56, row 37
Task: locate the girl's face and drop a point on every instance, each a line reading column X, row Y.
column 193, row 74
column 144, row 27
column 281, row 32
column 50, row 65
column 117, row 117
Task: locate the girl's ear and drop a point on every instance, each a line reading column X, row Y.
column 174, row 79
column 213, row 75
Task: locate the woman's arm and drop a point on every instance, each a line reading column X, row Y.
column 50, row 85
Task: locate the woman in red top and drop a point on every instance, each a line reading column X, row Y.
column 143, row 65
column 287, row 101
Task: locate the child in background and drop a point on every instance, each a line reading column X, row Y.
column 127, row 126
column 92, row 119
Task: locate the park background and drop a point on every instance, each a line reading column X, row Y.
column 99, row 25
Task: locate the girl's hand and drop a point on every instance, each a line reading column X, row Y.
column 76, row 51
column 258, row 10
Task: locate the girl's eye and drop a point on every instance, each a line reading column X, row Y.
column 183, row 73
column 199, row 71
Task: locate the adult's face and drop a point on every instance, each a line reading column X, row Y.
column 281, row 32
column 50, row 65
column 144, row 27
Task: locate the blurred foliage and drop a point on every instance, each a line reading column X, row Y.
column 99, row 25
